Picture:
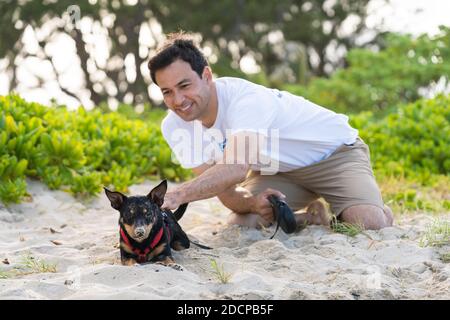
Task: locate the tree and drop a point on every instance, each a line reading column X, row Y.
column 231, row 29
column 404, row 69
column 120, row 22
column 235, row 28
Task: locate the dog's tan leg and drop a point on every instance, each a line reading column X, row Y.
column 129, row 262
column 166, row 261
column 169, row 262
column 178, row 246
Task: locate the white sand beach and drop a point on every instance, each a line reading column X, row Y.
column 79, row 238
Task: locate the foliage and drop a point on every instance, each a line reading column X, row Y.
column 36, row 265
column 349, row 229
column 445, row 257
column 29, row 265
column 264, row 29
column 379, row 80
column 412, row 142
column 148, row 113
column 219, row 272
column 78, row 151
column 131, row 31
column 437, row 234
column 410, row 195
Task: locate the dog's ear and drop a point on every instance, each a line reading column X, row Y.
column 157, row 194
column 116, row 198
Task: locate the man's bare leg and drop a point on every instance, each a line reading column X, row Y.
column 369, row 216
column 316, row 213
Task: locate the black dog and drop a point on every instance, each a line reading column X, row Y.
column 147, row 233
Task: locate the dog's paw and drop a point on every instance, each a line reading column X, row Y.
column 171, row 265
column 176, row 267
column 139, row 264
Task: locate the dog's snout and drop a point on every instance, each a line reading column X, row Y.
column 139, row 231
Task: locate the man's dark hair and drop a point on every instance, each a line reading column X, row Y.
column 178, row 46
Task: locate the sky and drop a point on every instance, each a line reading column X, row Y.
column 405, row 16
column 411, row 16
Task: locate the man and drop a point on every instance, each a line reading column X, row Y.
column 223, row 130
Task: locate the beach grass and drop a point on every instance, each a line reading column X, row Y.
column 445, row 257
column 219, row 272
column 346, row 228
column 36, row 265
column 29, row 265
column 437, row 234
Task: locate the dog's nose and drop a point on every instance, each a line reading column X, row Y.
column 140, row 231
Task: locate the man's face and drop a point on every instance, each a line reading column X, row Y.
column 184, row 92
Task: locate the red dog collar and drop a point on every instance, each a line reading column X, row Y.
column 142, row 254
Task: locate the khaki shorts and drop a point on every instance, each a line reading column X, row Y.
column 344, row 179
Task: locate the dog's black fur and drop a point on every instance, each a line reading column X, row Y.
column 141, row 220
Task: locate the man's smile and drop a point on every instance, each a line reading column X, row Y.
column 186, row 107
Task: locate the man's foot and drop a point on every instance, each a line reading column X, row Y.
column 316, row 213
column 251, row 220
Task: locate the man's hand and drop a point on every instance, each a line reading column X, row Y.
column 172, row 200
column 261, row 205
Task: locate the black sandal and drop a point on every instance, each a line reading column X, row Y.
column 283, row 215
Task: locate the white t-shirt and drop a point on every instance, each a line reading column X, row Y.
column 297, row 132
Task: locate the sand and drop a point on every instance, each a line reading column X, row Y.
column 79, row 238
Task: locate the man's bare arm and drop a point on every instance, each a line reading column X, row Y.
column 235, row 198
column 211, row 182
column 238, row 200
column 231, row 170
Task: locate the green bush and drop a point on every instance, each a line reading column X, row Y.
column 413, row 142
column 375, row 81
column 81, row 151
column 77, row 151
column 148, row 113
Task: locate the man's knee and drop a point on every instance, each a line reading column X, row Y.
column 368, row 216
